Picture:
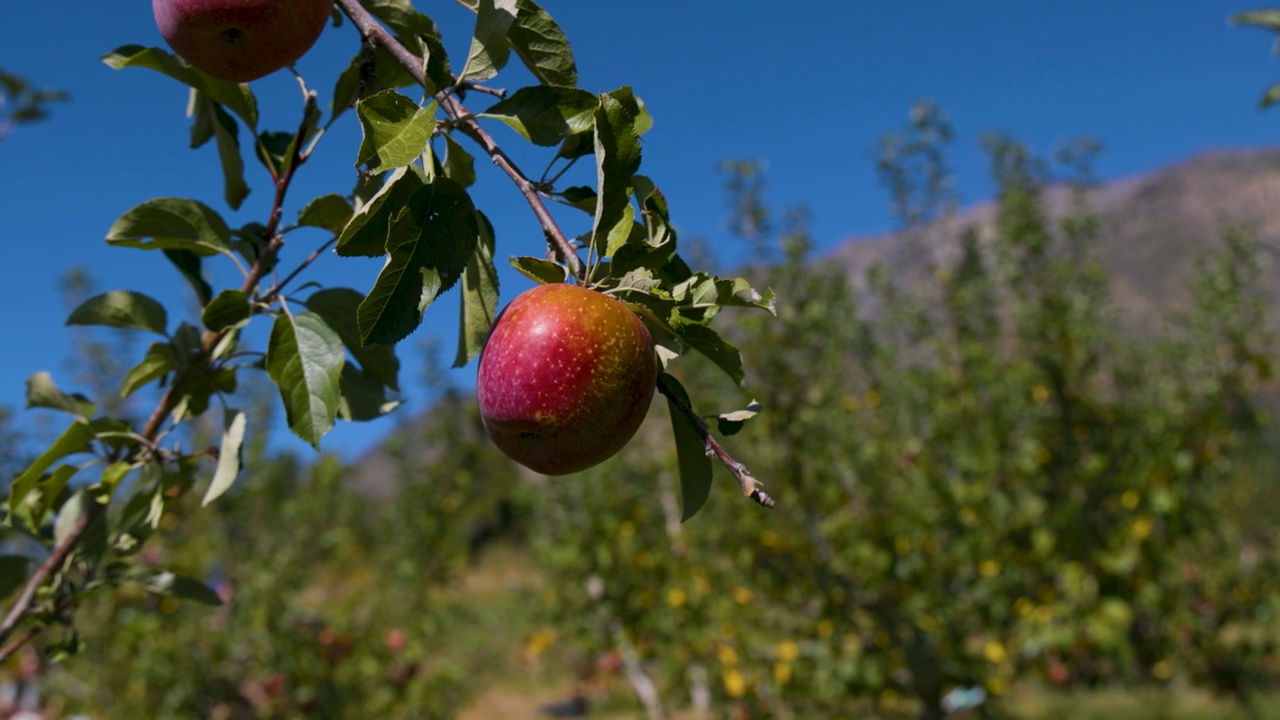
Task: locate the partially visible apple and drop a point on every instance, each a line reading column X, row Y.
column 241, row 40
column 565, row 378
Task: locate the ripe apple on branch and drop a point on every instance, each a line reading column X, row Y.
column 567, row 374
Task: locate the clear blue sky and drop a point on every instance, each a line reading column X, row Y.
column 810, row 87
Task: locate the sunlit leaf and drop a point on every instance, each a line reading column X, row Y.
column 72, row 440
column 489, row 46
column 172, row 224
column 395, row 130
column 542, row 46
column 305, row 359
column 122, row 309
column 233, row 427
column 539, row 270
column 43, row 392
column 617, row 158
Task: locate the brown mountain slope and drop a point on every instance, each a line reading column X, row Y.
column 1152, row 226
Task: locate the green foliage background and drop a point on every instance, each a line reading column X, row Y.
column 983, row 481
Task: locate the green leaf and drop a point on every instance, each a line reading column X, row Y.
column 48, row 488
column 1268, row 18
column 691, row 448
column 122, row 309
column 625, row 229
column 188, row 263
column 338, row 308
column 429, row 244
column 210, row 120
column 42, row 392
column 542, row 46
column 731, row 422
column 172, row 224
column 479, row 306
column 274, row 150
column 159, row 361
column 364, row 397
column 705, row 291
column 14, row 571
column 112, row 476
column 539, row 270
column 635, row 107
column 229, row 309
column 546, row 114
column 436, row 66
column 169, row 584
column 366, row 234
column 331, row 212
column 305, row 359
column 459, row 166
column 73, row 440
column 580, row 197
column 395, row 130
column 236, row 97
column 69, row 513
column 400, row 16
column 233, row 425
column 709, row 343
column 1270, row 97
column 617, row 159
column 489, row 47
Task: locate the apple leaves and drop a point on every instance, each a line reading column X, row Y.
column 395, row 130
column 429, row 242
column 691, row 453
column 524, row 27
column 210, row 101
column 305, row 358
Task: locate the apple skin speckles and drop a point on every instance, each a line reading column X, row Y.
column 565, row 378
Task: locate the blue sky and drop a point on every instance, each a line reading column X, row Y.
column 810, row 91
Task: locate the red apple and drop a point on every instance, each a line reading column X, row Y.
column 241, row 40
column 565, row 378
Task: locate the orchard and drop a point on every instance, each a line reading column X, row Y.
column 986, row 492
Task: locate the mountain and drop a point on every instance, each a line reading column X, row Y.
column 1152, row 227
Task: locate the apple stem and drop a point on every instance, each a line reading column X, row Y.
column 458, row 115
column 750, row 486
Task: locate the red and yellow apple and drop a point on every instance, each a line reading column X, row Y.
column 241, row 40
column 565, row 378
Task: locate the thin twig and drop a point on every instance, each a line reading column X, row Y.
column 466, row 86
column 372, row 31
column 306, row 262
column 750, row 486
column 146, row 442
